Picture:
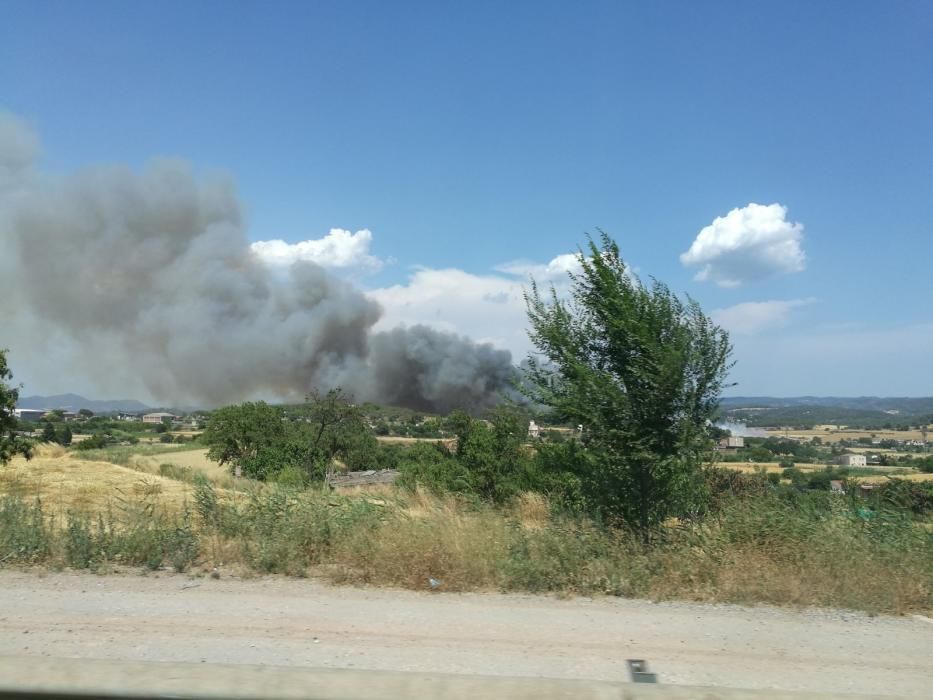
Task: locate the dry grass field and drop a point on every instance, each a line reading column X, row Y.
column 196, row 460
column 390, row 439
column 769, row 467
column 64, row 483
column 830, row 434
column 759, row 550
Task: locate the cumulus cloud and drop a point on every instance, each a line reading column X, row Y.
column 490, row 308
column 555, row 271
column 752, row 317
column 747, row 244
column 340, row 249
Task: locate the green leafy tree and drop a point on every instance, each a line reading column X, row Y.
column 63, row 435
column 94, row 442
column 492, row 452
column 48, row 433
column 260, row 440
column 86, row 413
column 642, row 372
column 248, row 437
column 329, row 427
column 11, row 444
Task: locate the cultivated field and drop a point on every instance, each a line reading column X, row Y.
column 196, row 460
column 830, row 434
column 65, row 483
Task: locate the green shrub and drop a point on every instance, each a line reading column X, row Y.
column 24, row 535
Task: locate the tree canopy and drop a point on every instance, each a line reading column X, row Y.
column 11, row 444
column 263, row 441
column 641, row 371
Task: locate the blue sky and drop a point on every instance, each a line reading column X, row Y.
column 468, row 137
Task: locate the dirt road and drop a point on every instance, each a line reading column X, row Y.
column 301, row 623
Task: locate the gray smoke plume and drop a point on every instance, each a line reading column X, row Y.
column 149, row 276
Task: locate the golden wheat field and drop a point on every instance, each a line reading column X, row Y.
column 830, row 434
column 769, row 467
column 65, row 483
column 192, row 459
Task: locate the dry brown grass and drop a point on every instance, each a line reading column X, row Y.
column 533, row 511
column 432, row 537
column 65, row 483
column 398, row 440
column 769, row 467
column 835, row 434
column 195, row 460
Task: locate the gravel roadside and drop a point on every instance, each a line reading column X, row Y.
column 294, row 622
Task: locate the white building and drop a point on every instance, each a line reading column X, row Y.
column 733, row 442
column 534, row 432
column 853, row 461
column 158, row 417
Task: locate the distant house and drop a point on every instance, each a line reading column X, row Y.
column 853, row 461
column 733, row 442
column 534, row 432
column 28, row 414
column 158, row 417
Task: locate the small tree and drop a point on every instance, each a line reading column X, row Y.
column 328, row 427
column 492, row 452
column 642, row 372
column 63, row 436
column 247, row 437
column 263, row 440
column 11, row 444
column 48, row 433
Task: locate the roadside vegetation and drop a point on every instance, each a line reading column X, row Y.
column 624, row 500
column 756, row 546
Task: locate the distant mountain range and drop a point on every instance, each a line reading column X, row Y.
column 74, row 402
column 905, row 405
column 754, row 410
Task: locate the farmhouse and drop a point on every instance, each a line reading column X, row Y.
column 733, row 442
column 853, row 461
column 158, row 417
column 534, row 432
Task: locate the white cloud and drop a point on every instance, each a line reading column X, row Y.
column 752, row 317
column 488, row 308
column 338, row 249
column 747, row 244
column 554, row 271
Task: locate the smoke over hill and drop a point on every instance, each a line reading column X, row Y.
column 150, row 274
